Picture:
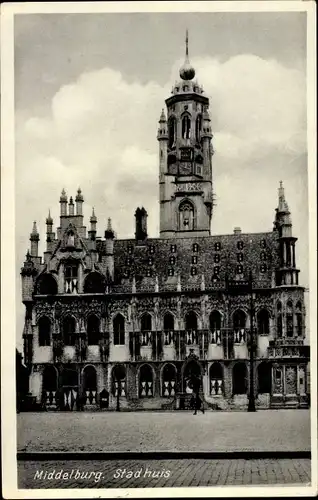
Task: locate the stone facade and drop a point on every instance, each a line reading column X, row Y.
column 129, row 322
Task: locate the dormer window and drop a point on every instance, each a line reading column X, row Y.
column 130, row 249
column 240, row 245
column 263, row 243
column 71, row 278
column 148, row 273
column 151, row 249
column 217, row 246
column 217, row 258
column 173, row 248
column 239, row 269
column 240, row 257
column 170, row 271
column 172, row 260
column 150, row 261
column 193, row 271
column 195, row 247
column 194, row 259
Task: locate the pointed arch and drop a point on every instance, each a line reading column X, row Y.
column 239, row 378
column 215, row 321
column 279, row 319
column 198, row 128
column 186, row 126
column 49, row 378
column 146, row 322
column 239, row 319
column 299, row 319
column 119, row 329
column 93, row 330
column 168, row 321
column 44, row 331
column 169, row 378
column 172, row 123
column 289, row 319
column 146, row 381
column 186, row 215
column 216, row 379
column 191, row 321
column 119, row 380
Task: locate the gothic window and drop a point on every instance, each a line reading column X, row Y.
column 263, row 268
column 170, row 271
column 46, row 285
column 93, row 330
column 172, row 260
column 239, row 380
column 215, row 327
column 299, row 320
column 240, row 257
column 169, row 380
column 119, row 380
column 217, row 246
column 186, row 216
column 194, row 259
column 173, row 248
column 44, row 326
column 193, row 271
column 145, row 382
column 289, row 320
column 171, row 131
column 263, row 322
column 69, row 331
column 71, row 278
column 217, row 258
column 216, row 379
column 198, row 126
column 185, row 88
column 186, row 127
column 240, row 245
column 279, row 320
column 119, row 330
column 146, row 322
column 264, row 378
column 239, row 269
column 168, row 326
column 49, row 383
column 89, row 385
column 191, row 323
column 94, row 283
column 239, row 323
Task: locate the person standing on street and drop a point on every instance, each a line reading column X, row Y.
column 196, row 383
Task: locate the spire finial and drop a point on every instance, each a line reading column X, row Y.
column 187, row 72
column 187, row 43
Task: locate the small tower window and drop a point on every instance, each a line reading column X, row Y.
column 198, row 127
column 130, row 249
column 194, row 259
column 128, row 261
column 193, row 271
column 263, row 268
column 71, row 279
column 172, row 260
column 171, row 131
column 239, row 269
column 173, row 248
column 185, row 88
column 217, row 246
column 151, row 249
column 263, row 243
column 240, row 245
column 217, row 258
column 216, row 270
column 240, row 257
column 186, row 127
column 170, row 271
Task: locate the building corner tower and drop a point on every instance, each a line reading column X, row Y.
column 185, row 159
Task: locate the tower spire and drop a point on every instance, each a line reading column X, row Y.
column 187, row 72
column 187, row 44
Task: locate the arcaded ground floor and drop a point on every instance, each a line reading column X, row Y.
column 264, row 430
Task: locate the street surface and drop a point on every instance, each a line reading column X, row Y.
column 182, row 473
column 267, row 430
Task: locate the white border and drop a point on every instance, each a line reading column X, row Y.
column 9, row 464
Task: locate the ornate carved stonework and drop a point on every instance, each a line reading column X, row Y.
column 43, row 309
column 191, row 304
column 189, row 186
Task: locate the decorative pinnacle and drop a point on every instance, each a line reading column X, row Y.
column 187, row 72
column 71, row 202
column 162, row 117
column 49, row 219
column 109, row 224
column 63, row 196
column 79, row 196
column 34, row 236
column 34, row 230
column 93, row 216
column 187, row 44
column 109, row 233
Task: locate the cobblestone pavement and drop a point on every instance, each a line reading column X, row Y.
column 163, row 473
column 267, row 430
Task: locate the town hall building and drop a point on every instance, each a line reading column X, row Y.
column 127, row 322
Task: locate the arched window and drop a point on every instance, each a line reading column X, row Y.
column 119, row 380
column 215, row 327
column 264, row 378
column 191, row 326
column 71, row 277
column 263, row 322
column 239, row 323
column 89, row 385
column 171, row 131
column 239, row 378
column 186, row 127
column 169, row 380
column 46, row 285
column 94, row 283
column 145, row 382
column 192, row 377
column 279, row 320
column 93, row 330
column 168, row 327
column 186, row 216
column 299, row 319
column 69, row 327
column 44, row 326
column 198, row 127
column 216, row 379
column 119, row 330
column 289, row 319
column 145, row 322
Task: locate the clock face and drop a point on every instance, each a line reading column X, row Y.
column 185, row 168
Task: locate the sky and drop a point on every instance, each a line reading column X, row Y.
column 89, row 90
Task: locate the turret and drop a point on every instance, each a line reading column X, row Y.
column 71, row 207
column 141, row 224
column 63, row 202
column 34, row 238
column 93, row 222
column 79, row 202
column 109, row 236
column 287, row 273
column 50, row 236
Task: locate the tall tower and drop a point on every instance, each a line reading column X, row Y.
column 185, row 159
